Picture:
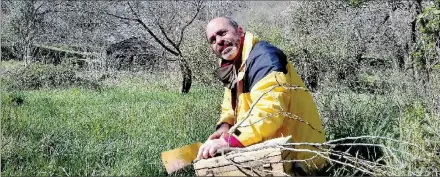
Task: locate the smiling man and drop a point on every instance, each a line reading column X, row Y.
column 263, row 89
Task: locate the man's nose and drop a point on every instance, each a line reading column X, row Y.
column 220, row 41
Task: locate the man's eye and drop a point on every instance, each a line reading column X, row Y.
column 223, row 33
column 212, row 41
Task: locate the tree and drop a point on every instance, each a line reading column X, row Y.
column 24, row 23
column 165, row 22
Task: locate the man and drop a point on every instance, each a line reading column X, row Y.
column 263, row 89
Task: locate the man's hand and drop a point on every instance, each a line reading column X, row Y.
column 224, row 128
column 210, row 147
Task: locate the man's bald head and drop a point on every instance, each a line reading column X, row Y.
column 232, row 22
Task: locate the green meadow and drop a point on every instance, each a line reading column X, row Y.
column 121, row 126
column 119, row 130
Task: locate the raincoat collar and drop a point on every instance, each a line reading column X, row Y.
column 249, row 41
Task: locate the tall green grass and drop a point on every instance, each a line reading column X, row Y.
column 403, row 113
column 119, row 131
column 122, row 128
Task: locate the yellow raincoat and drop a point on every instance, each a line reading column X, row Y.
column 280, row 112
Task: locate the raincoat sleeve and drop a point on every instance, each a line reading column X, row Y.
column 227, row 113
column 269, row 100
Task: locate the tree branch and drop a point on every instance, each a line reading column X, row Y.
column 133, row 11
column 48, row 10
column 156, row 38
column 120, row 17
column 36, row 9
column 162, row 30
column 198, row 9
column 138, row 20
column 151, row 32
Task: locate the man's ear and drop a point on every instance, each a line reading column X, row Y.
column 240, row 30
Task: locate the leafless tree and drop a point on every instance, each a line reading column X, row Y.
column 24, row 22
column 165, row 22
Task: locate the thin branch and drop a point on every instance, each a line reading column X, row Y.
column 172, row 20
column 48, row 10
column 156, row 38
column 36, row 9
column 133, row 11
column 162, row 30
column 371, row 137
column 151, row 32
column 233, row 128
column 120, row 17
column 198, row 9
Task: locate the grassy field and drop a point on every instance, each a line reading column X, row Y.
column 122, row 128
column 118, row 131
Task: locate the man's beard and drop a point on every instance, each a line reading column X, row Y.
column 231, row 54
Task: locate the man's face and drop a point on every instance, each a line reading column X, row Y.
column 223, row 38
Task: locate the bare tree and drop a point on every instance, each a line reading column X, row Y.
column 25, row 22
column 165, row 22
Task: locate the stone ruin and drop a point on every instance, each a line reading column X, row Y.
column 134, row 54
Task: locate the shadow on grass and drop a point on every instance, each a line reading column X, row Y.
column 186, row 171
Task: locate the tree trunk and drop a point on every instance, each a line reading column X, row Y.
column 412, row 44
column 27, row 55
column 186, row 75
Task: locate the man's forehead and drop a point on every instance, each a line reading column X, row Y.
column 215, row 26
column 213, row 31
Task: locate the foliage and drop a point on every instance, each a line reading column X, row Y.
column 399, row 113
column 354, row 3
column 41, row 76
column 202, row 61
column 427, row 51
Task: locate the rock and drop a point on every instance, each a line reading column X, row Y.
column 134, row 53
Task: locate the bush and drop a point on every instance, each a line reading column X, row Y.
column 400, row 111
column 40, row 76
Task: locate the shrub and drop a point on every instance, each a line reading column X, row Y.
column 39, row 76
column 400, row 111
